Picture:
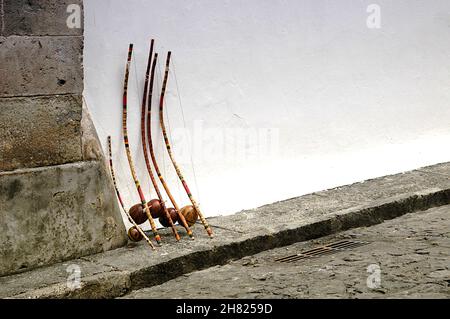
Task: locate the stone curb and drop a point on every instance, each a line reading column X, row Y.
column 343, row 220
column 118, row 279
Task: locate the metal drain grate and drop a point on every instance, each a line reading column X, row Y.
column 323, row 250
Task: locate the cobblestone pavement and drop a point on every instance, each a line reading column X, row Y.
column 412, row 253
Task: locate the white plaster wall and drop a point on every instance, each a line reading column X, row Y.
column 281, row 97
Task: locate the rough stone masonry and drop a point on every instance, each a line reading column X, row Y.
column 56, row 198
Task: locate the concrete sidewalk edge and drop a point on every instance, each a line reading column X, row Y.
column 117, row 283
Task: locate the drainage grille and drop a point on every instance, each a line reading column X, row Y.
column 323, row 250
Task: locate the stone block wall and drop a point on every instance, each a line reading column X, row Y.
column 56, row 203
column 41, row 72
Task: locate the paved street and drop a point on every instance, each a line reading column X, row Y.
column 405, row 257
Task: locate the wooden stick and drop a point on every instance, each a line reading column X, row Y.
column 144, row 143
column 111, row 169
column 166, row 140
column 127, row 148
column 152, row 152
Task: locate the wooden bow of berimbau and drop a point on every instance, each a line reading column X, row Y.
column 166, row 219
column 156, row 208
column 135, row 233
column 169, row 150
column 181, row 218
column 128, row 152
